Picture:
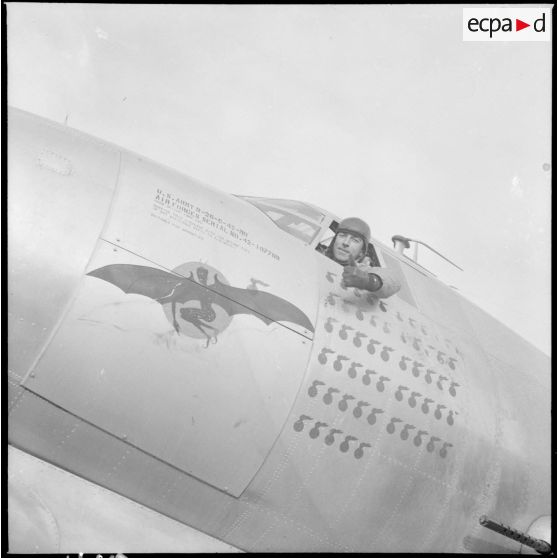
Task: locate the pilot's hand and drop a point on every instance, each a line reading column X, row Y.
column 355, row 277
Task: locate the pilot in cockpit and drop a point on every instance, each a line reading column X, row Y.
column 349, row 248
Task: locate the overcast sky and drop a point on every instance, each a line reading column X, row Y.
column 377, row 111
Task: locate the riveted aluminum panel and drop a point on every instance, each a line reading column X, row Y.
column 202, row 373
column 60, row 185
column 404, row 293
column 390, row 435
column 436, row 300
column 525, row 402
column 45, row 501
column 503, row 343
column 212, row 410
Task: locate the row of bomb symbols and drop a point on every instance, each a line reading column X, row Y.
column 415, row 324
column 333, row 299
column 372, row 347
column 429, row 350
column 402, row 393
column 416, row 327
column 329, row 439
column 359, row 338
column 383, row 306
column 318, row 428
column 416, row 368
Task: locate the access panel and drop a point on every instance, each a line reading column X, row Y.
column 182, row 339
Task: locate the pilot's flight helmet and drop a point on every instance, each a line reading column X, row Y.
column 357, row 226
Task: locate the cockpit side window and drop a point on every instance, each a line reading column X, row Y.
column 329, row 235
column 296, row 218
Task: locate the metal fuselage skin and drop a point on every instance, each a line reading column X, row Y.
column 321, row 419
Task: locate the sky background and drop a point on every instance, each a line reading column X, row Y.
column 379, row 111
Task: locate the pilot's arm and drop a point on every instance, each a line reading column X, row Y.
column 379, row 281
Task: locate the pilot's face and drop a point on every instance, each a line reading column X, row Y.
column 346, row 245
